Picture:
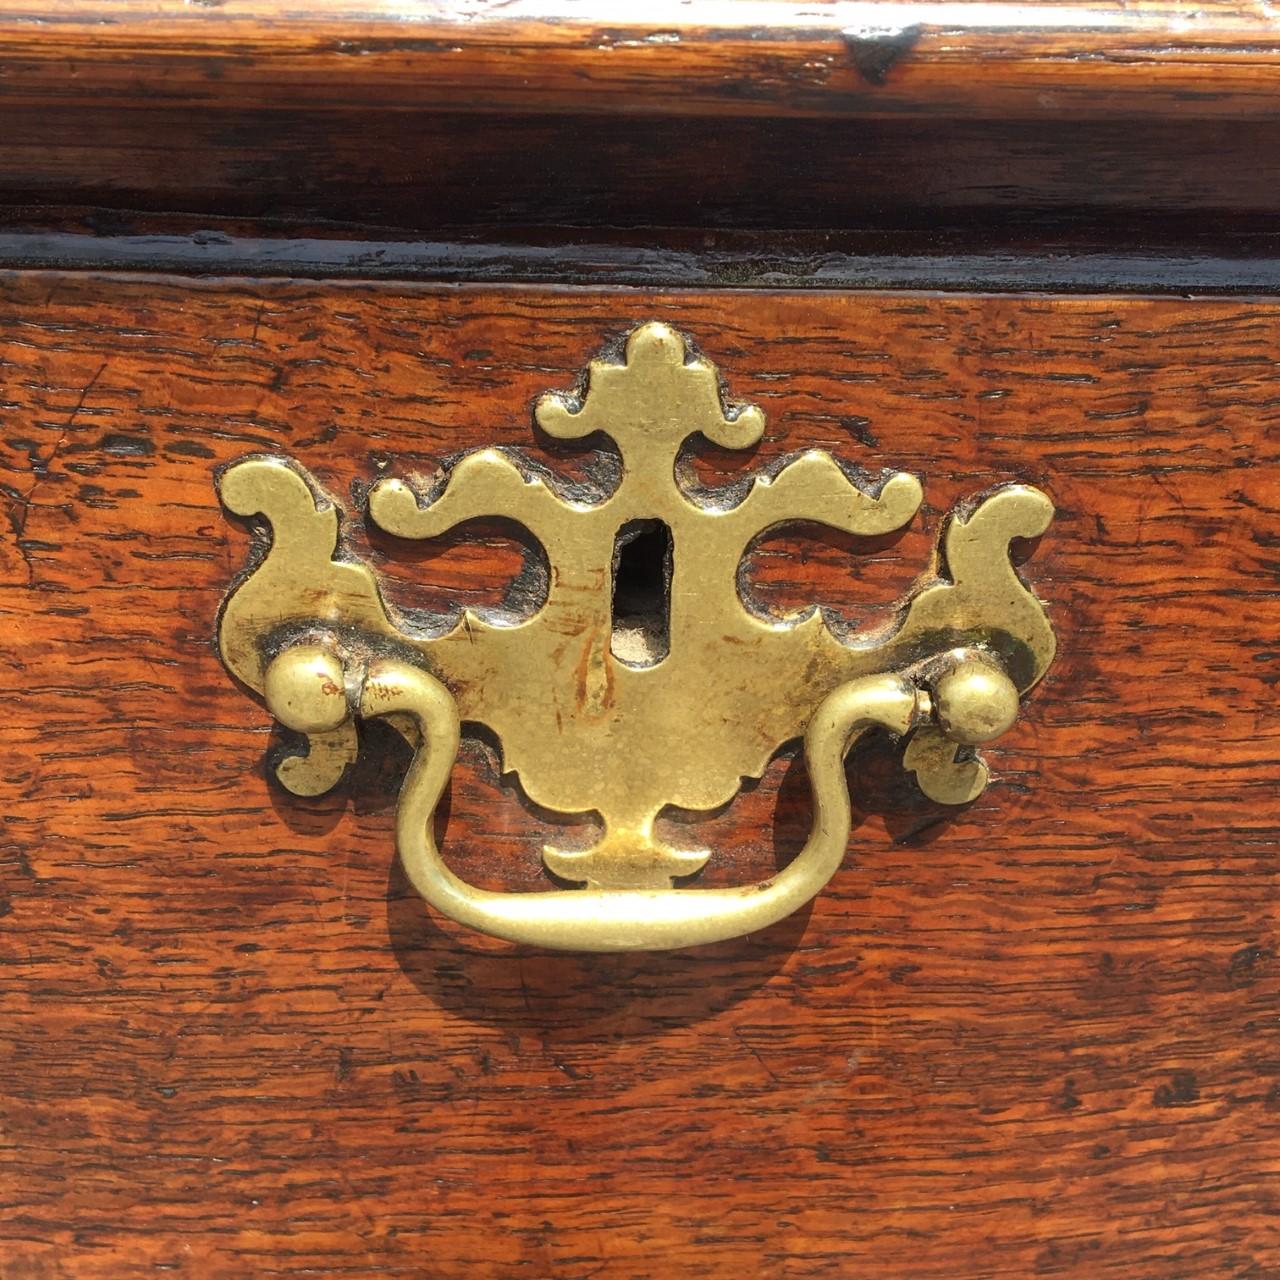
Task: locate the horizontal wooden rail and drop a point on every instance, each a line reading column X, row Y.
column 708, row 57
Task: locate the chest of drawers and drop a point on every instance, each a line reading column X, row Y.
column 982, row 245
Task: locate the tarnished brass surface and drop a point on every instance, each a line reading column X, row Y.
column 623, row 725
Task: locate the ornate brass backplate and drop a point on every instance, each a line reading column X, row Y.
column 620, row 724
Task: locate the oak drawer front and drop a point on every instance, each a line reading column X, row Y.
column 232, row 1032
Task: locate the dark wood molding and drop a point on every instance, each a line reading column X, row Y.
column 1037, row 261
column 1104, row 112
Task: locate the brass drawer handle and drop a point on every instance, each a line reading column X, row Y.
column 623, row 714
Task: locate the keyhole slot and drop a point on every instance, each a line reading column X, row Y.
column 641, row 624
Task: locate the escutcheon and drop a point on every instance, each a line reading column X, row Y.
column 617, row 707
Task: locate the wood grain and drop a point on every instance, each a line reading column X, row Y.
column 746, row 57
column 429, row 171
column 1033, row 1038
column 707, row 115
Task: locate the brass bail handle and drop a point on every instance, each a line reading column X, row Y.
column 310, row 689
column 626, row 714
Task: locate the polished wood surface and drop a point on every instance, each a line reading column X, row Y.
column 428, row 172
column 1036, row 1037
column 707, row 115
column 709, row 57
